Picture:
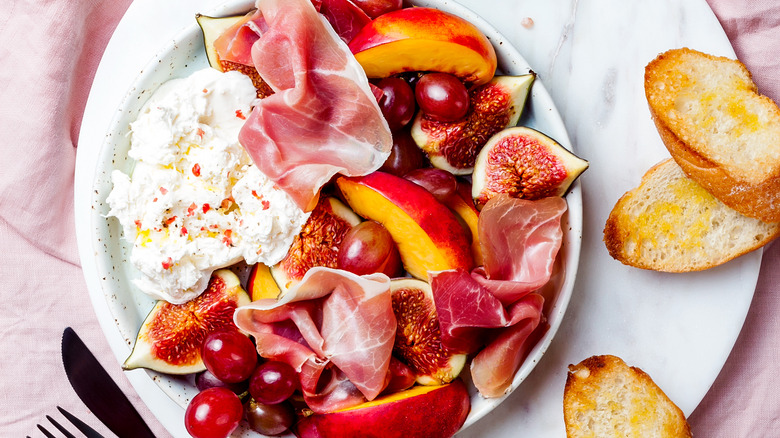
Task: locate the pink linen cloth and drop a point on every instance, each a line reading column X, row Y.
column 51, row 50
column 744, row 401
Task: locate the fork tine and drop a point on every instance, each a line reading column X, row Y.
column 60, row 428
column 80, row 425
column 45, row 432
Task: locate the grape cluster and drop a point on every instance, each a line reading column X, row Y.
column 440, row 96
column 233, row 371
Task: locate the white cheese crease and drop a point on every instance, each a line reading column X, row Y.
column 194, row 201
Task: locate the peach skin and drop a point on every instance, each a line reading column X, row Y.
column 424, row 39
column 428, row 234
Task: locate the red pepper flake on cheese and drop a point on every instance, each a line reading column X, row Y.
column 191, row 209
column 228, row 240
column 170, row 220
column 196, row 169
column 167, row 263
column 137, row 224
column 240, row 114
column 163, row 190
column 183, row 231
column 206, row 207
column 266, row 204
column 200, row 133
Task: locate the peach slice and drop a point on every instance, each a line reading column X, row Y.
column 422, row 411
column 261, row 283
column 424, row 39
column 463, row 205
column 428, row 234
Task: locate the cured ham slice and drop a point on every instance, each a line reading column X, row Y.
column 235, row 43
column 494, row 368
column 335, row 328
column 496, row 305
column 323, row 118
column 520, row 240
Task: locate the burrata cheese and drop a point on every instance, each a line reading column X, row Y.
column 194, row 201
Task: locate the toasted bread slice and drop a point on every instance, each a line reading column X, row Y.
column 670, row 223
column 605, row 398
column 718, row 128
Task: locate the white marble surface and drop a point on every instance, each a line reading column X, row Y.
column 679, row 328
column 590, row 55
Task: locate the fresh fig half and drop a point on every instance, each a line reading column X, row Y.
column 172, row 335
column 454, row 146
column 524, row 163
column 212, row 28
column 317, row 244
column 418, row 337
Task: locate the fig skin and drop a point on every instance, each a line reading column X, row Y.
column 454, row 146
column 418, row 337
column 318, row 242
column 524, row 163
column 171, row 336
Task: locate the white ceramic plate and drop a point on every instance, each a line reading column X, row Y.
column 129, row 306
column 167, row 33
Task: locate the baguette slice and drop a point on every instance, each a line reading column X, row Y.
column 670, row 223
column 604, row 398
column 718, row 128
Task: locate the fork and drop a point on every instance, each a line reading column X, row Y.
column 80, row 425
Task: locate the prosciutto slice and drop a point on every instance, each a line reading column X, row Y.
column 335, row 328
column 235, row 43
column 519, row 240
column 496, row 305
column 323, row 118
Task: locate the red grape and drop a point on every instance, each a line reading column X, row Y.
column 438, row 182
column 229, row 355
column 397, row 102
column 206, row 380
column 442, row 96
column 273, row 382
column 213, row 413
column 368, row 248
column 399, row 377
column 269, row 419
column 404, row 156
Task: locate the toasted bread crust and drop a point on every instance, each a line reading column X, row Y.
column 681, row 73
column 670, row 223
column 604, row 397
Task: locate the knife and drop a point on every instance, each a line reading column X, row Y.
column 98, row 391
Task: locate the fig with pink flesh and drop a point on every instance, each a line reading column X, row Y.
column 171, row 336
column 418, row 337
column 317, row 244
column 454, row 146
column 524, row 163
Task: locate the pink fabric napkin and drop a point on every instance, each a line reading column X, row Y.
column 50, row 51
column 744, row 400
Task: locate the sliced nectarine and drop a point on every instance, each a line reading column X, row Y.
column 424, row 39
column 428, row 235
column 261, row 283
column 462, row 204
column 422, row 411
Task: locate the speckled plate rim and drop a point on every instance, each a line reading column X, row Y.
column 121, row 308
